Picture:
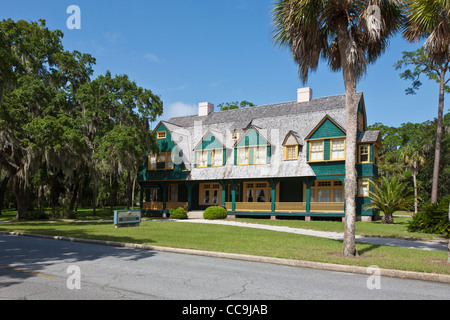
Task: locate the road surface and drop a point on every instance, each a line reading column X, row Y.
column 36, row 268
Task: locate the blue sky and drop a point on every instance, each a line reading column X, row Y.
column 217, row 51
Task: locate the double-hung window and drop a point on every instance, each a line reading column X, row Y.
column 242, row 156
column 363, row 153
column 316, row 151
column 260, row 155
column 202, row 159
column 338, row 149
column 217, row 157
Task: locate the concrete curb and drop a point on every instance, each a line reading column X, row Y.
column 442, row 278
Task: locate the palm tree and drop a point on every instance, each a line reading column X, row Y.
column 430, row 19
column 414, row 160
column 343, row 33
column 390, row 196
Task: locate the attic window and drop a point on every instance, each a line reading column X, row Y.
column 235, row 134
column 291, row 152
column 161, row 134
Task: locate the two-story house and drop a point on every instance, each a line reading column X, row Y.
column 284, row 159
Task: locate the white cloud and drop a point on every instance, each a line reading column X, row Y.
column 179, row 109
column 113, row 38
column 152, row 58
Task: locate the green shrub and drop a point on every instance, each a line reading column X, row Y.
column 433, row 218
column 215, row 212
column 178, row 213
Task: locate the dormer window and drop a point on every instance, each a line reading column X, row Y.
column 292, row 146
column 291, row 152
column 161, row 134
column 338, row 149
column 316, row 153
column 236, row 134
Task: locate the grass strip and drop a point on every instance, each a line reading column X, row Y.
column 242, row 240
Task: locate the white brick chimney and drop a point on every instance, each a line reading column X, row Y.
column 304, row 94
column 205, row 108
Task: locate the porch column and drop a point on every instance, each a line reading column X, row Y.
column 189, row 195
column 224, row 191
column 164, row 196
column 273, row 184
column 308, row 195
column 141, row 196
column 233, row 196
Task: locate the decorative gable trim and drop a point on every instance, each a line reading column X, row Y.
column 295, row 136
column 246, row 133
column 327, row 117
column 209, row 132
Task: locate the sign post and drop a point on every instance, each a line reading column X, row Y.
column 127, row 218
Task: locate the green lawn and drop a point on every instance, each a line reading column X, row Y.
column 369, row 229
column 243, row 240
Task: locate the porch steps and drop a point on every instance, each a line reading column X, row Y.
column 195, row 214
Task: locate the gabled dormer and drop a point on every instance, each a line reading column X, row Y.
column 172, row 145
column 209, row 152
column 252, row 148
column 326, row 142
column 292, row 145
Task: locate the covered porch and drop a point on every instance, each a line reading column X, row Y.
column 301, row 197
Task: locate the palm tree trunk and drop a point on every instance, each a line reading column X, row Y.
column 415, row 192
column 437, row 152
column 349, row 246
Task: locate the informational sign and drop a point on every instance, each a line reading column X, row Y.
column 127, row 218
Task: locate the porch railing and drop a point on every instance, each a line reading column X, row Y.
column 154, row 206
column 327, row 206
column 250, row 206
column 290, row 207
column 158, row 206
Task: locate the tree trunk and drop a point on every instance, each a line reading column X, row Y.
column 3, row 186
column 132, row 191
column 94, row 197
column 129, row 191
column 415, row 192
column 349, row 246
column 448, row 258
column 74, row 196
column 437, row 152
column 24, row 203
column 388, row 218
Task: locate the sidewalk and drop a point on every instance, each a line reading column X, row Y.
column 424, row 245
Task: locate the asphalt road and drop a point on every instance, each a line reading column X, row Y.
column 38, row 269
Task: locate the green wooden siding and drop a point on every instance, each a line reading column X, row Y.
column 252, row 138
column 209, row 143
column 327, row 130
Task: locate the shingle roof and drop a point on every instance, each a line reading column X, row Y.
column 369, row 136
column 274, row 122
